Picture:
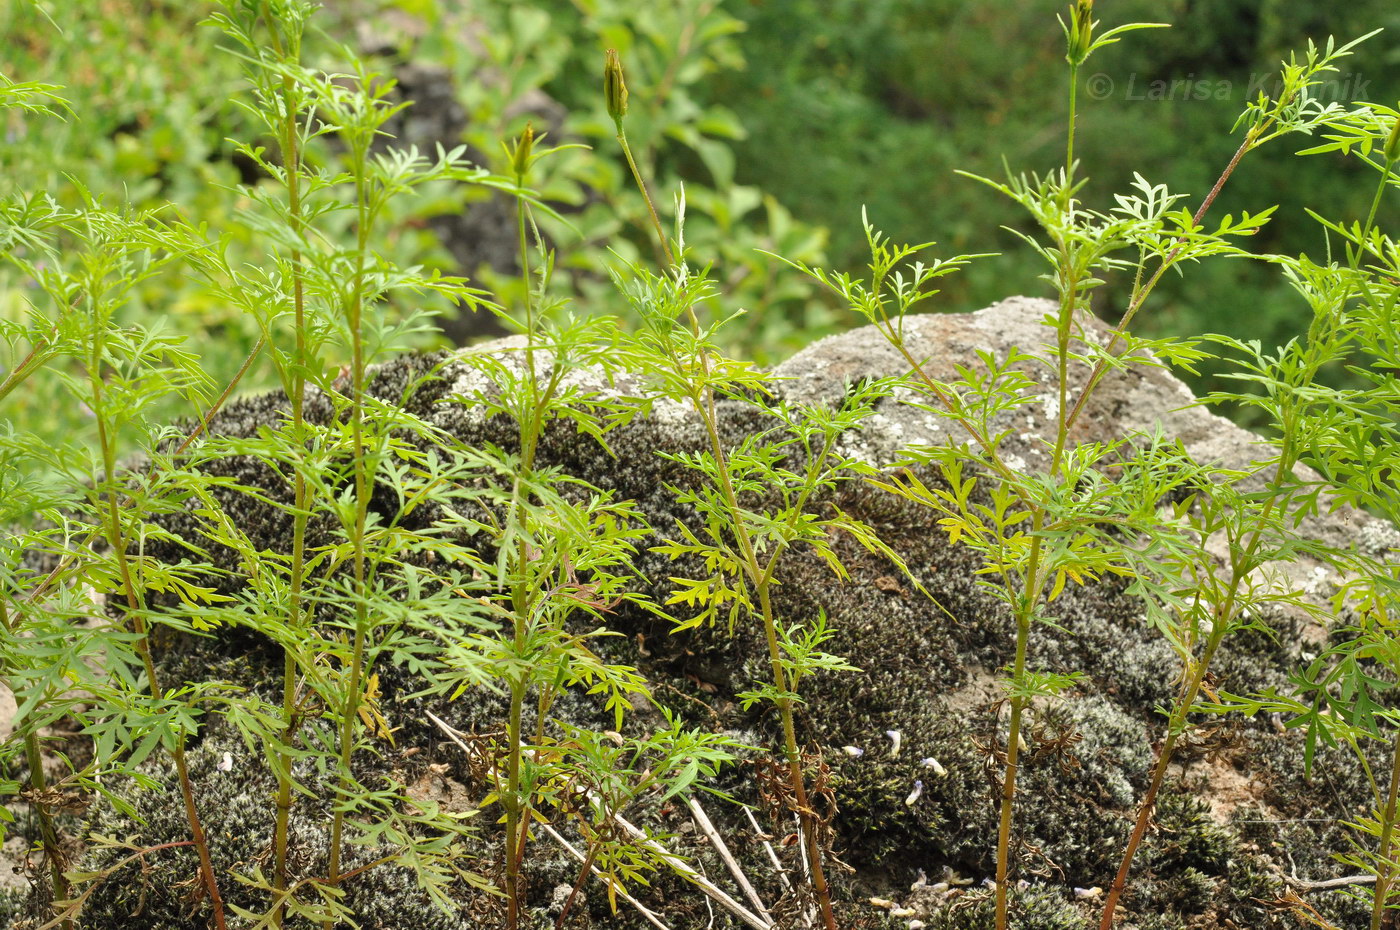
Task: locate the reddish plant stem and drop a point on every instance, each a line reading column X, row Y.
column 1116, row 338
column 578, row 885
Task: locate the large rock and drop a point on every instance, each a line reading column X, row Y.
column 1235, row 809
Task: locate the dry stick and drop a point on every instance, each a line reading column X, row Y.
column 553, row 834
column 683, row 869
column 677, row 864
column 772, row 855
column 1330, row 883
column 1325, row 884
column 722, row 848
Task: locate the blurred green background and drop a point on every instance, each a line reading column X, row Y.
column 781, row 119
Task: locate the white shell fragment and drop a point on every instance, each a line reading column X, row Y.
column 895, row 737
column 932, row 763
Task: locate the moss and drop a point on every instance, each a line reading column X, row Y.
column 1035, row 908
column 234, row 794
column 12, row 905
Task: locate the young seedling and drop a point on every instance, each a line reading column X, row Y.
column 759, row 500
column 1348, row 435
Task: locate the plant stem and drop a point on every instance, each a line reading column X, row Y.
column 703, row 399
column 1242, row 563
column 1069, row 140
column 68, row 561
column 354, row 308
column 1035, row 579
column 1147, row 805
column 1116, row 337
column 31, row 363
column 517, row 814
column 117, row 541
column 48, row 834
column 578, row 885
column 1013, row 734
column 1385, row 873
column 646, row 195
column 512, row 800
column 282, row 765
column 805, row 813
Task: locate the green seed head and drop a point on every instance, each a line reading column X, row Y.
column 615, row 88
column 1392, row 144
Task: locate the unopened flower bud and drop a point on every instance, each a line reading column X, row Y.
column 615, row 88
column 524, row 147
column 1392, row 144
column 1081, row 31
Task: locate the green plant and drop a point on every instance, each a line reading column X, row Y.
column 758, row 500
column 419, row 563
column 1349, row 436
column 1095, row 512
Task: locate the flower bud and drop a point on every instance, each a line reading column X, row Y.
column 615, row 88
column 1081, row 31
column 1392, row 145
column 520, row 155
